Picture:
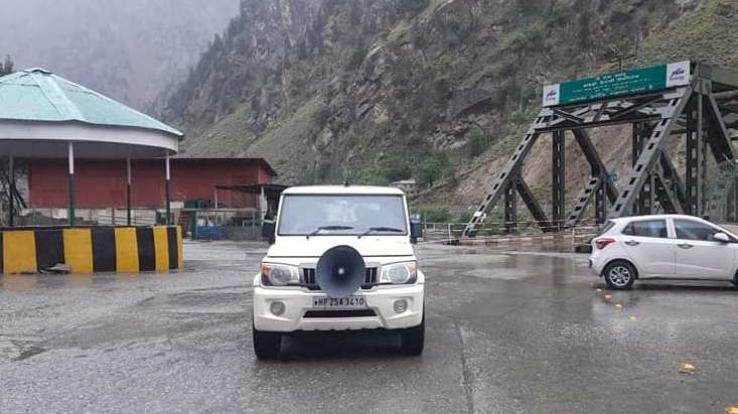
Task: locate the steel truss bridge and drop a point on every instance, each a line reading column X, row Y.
column 702, row 112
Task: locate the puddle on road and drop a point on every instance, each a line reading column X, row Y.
column 28, row 283
column 495, row 265
column 16, row 350
column 29, row 353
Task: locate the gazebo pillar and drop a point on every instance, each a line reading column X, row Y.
column 11, row 195
column 128, row 191
column 71, row 212
column 167, row 189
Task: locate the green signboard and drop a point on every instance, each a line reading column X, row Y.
column 611, row 85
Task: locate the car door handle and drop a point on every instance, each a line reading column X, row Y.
column 685, row 246
column 632, row 243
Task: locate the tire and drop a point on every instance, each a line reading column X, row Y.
column 619, row 275
column 412, row 340
column 267, row 344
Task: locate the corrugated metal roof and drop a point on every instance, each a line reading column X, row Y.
column 39, row 95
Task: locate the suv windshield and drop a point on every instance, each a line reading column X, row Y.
column 303, row 215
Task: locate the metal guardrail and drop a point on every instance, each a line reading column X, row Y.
column 502, row 228
column 88, row 216
column 494, row 232
column 117, row 220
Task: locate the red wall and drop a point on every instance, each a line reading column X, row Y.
column 102, row 184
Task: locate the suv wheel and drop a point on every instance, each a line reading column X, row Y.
column 267, row 344
column 412, row 340
column 619, row 275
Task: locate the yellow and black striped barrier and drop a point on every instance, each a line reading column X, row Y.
column 91, row 249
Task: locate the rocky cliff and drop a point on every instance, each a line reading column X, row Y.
column 332, row 89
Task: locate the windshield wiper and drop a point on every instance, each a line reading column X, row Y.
column 329, row 228
column 385, row 229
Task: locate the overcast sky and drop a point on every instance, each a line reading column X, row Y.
column 129, row 49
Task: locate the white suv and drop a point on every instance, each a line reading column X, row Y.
column 341, row 259
column 663, row 246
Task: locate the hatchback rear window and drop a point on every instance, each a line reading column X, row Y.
column 647, row 228
column 609, row 225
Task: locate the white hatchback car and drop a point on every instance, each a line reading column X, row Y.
column 663, row 246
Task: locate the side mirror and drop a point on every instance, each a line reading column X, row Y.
column 268, row 230
column 416, row 229
column 721, row 237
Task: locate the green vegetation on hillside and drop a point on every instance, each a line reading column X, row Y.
column 707, row 34
column 434, row 168
column 376, row 92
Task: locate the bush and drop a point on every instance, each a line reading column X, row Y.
column 6, row 68
column 357, row 56
column 478, row 142
column 464, row 217
column 411, row 5
column 383, row 174
column 432, row 214
column 433, row 168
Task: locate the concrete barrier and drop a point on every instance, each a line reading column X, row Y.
column 91, row 249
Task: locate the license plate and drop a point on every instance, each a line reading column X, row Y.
column 351, row 302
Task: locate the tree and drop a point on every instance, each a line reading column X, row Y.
column 432, row 169
column 413, row 6
column 478, row 142
column 432, row 214
column 7, row 67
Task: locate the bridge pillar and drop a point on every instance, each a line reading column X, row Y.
column 511, row 208
column 695, row 156
column 558, row 185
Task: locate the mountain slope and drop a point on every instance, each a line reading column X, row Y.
column 699, row 31
column 326, row 89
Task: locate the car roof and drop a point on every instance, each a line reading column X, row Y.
column 343, row 190
column 656, row 217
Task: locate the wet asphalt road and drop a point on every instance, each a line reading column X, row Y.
column 506, row 333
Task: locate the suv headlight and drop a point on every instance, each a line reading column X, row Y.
column 399, row 273
column 279, row 274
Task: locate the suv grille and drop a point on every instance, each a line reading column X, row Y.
column 308, row 278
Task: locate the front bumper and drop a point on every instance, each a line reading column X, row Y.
column 298, row 301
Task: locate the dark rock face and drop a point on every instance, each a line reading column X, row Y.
column 324, row 88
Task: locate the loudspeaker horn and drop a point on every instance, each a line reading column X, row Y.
column 340, row 271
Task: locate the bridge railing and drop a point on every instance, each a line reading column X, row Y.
column 582, row 233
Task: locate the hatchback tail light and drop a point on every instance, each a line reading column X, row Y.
column 604, row 242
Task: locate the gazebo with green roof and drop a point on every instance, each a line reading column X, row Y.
column 45, row 116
